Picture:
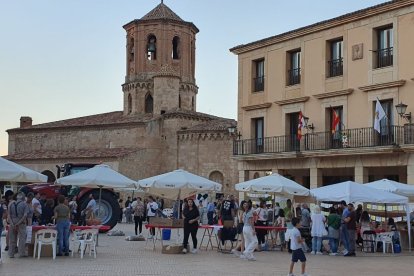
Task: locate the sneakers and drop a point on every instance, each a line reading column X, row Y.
column 345, row 252
column 333, row 254
column 319, row 253
column 350, row 254
column 236, row 253
column 305, row 274
column 313, row 252
column 291, row 274
column 243, row 257
column 184, row 250
column 252, row 258
column 194, row 251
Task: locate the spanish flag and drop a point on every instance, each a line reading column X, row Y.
column 300, row 125
column 335, row 120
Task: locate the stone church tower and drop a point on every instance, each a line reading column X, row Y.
column 160, row 63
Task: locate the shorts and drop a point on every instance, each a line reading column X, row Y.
column 298, row 255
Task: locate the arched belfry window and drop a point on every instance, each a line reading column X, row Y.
column 152, row 47
column 176, row 48
column 179, row 101
column 149, row 103
column 192, row 103
column 129, row 104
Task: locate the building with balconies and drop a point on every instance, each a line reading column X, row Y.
column 307, row 99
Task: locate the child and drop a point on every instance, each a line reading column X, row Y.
column 296, row 242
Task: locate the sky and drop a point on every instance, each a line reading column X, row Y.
column 63, row 59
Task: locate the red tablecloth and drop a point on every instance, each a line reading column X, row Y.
column 161, row 227
column 277, row 228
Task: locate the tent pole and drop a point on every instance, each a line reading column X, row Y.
column 407, row 210
column 99, row 207
column 274, row 206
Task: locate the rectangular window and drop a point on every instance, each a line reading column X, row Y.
column 335, row 63
column 258, row 75
column 385, row 46
column 294, row 68
column 258, row 134
column 293, row 143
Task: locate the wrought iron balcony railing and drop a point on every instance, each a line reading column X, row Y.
column 384, row 57
column 336, row 67
column 258, row 84
column 294, row 76
column 350, row 138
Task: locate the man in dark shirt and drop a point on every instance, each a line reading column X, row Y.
column 350, row 221
column 227, row 209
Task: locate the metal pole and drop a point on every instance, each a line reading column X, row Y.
column 99, row 202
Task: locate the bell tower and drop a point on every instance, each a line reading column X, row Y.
column 160, row 63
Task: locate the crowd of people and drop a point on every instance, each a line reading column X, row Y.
column 20, row 210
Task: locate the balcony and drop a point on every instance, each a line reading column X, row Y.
column 294, row 76
column 335, row 67
column 384, row 57
column 258, row 84
column 320, row 141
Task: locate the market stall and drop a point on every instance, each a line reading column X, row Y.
column 354, row 192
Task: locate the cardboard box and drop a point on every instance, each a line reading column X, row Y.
column 167, row 222
column 47, row 250
column 172, row 249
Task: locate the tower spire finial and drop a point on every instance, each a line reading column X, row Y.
column 162, row 1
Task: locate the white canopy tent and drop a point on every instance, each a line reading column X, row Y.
column 393, row 187
column 100, row 176
column 13, row 172
column 178, row 184
column 354, row 192
column 274, row 183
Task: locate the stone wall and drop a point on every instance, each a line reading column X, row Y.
column 82, row 138
column 206, row 153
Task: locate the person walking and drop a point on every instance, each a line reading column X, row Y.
column 249, row 234
column 62, row 218
column 317, row 230
column 296, row 243
column 138, row 208
column 334, row 223
column 210, row 212
column 2, row 211
column 240, row 246
column 73, row 206
column 191, row 216
column 17, row 215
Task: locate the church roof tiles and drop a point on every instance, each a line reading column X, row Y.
column 161, row 12
column 220, row 124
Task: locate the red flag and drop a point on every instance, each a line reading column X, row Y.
column 335, row 120
column 300, row 125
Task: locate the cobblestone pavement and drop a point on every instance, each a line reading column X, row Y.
column 119, row 257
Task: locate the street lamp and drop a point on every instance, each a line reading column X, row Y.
column 307, row 125
column 401, row 108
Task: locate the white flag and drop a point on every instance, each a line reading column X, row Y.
column 379, row 114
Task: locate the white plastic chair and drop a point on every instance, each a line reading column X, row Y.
column 83, row 238
column 385, row 239
column 45, row 237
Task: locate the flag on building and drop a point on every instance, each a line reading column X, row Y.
column 379, row 114
column 336, row 120
column 301, row 124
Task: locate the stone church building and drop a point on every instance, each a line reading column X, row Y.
column 158, row 130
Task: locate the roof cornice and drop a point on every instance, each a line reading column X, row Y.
column 383, row 85
column 323, row 25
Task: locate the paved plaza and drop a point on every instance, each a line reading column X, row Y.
column 119, row 257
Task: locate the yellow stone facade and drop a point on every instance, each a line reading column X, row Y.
column 344, row 64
